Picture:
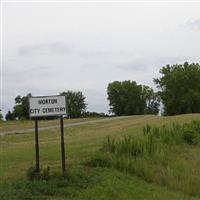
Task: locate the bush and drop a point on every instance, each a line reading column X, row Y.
column 131, row 146
column 33, row 174
column 43, row 174
column 153, row 140
column 190, row 137
column 196, row 126
column 99, row 160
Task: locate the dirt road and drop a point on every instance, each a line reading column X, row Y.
column 58, row 126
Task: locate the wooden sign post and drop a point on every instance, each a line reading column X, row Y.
column 62, row 144
column 37, row 154
column 43, row 107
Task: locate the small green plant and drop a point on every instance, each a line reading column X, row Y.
column 109, row 145
column 43, row 174
column 196, row 126
column 190, row 137
column 33, row 174
column 146, row 129
column 129, row 145
column 99, row 160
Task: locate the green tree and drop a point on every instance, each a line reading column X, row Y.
column 152, row 100
column 21, row 108
column 75, row 103
column 128, row 98
column 94, row 114
column 1, row 116
column 9, row 116
column 180, row 88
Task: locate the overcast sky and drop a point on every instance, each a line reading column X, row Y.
column 53, row 47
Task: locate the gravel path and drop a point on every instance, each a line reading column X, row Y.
column 65, row 125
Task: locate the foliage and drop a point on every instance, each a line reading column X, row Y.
column 94, row 114
column 152, row 138
column 162, row 155
column 46, row 185
column 128, row 98
column 75, row 103
column 21, row 108
column 33, row 174
column 191, row 134
column 1, row 116
column 43, row 174
column 180, row 88
column 9, row 116
column 152, row 100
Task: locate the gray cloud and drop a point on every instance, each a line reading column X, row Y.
column 172, row 60
column 194, row 24
column 147, row 64
column 94, row 54
column 138, row 64
column 105, row 54
column 45, row 49
column 90, row 46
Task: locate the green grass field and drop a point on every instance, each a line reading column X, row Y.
column 24, row 124
column 88, row 182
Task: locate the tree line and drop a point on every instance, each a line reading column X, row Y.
column 178, row 90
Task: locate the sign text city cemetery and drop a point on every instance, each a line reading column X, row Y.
column 46, row 106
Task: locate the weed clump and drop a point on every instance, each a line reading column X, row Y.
column 162, row 155
column 154, row 139
column 43, row 174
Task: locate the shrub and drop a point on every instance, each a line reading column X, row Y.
column 196, row 126
column 43, row 174
column 146, row 129
column 99, row 160
column 131, row 146
column 109, row 145
column 33, row 174
column 153, row 139
column 190, row 137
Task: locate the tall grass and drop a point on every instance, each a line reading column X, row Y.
column 153, row 139
column 166, row 155
column 58, row 187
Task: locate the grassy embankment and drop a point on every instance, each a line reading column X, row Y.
column 26, row 124
column 170, row 173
